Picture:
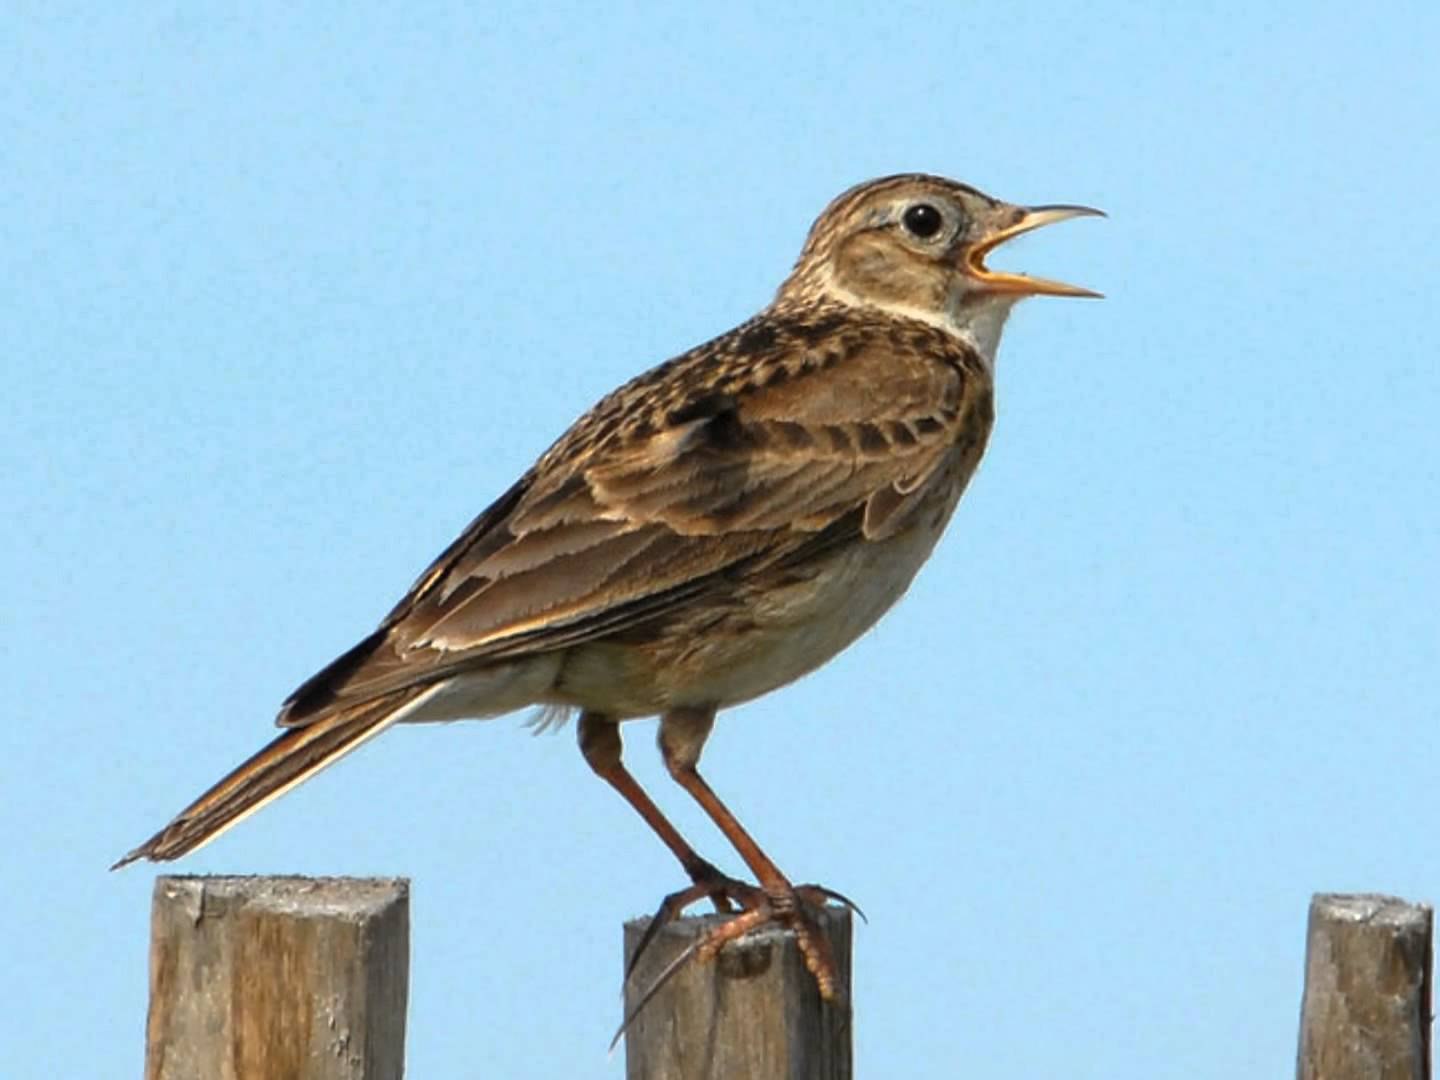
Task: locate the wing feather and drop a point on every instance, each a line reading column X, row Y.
column 731, row 458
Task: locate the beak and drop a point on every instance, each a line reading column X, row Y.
column 1012, row 221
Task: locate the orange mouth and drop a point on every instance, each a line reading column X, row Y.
column 1031, row 218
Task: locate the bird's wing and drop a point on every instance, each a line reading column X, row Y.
column 741, row 453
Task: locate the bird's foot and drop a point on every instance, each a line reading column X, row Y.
column 797, row 908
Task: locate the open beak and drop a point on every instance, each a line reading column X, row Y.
column 1012, row 222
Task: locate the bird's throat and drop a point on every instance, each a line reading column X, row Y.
column 979, row 321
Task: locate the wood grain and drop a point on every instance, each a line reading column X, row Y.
column 753, row 1012
column 277, row 978
column 1366, row 1008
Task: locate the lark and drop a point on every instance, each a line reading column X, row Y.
column 712, row 530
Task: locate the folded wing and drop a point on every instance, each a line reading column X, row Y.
column 687, row 479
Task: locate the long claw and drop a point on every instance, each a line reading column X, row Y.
column 830, row 894
column 655, row 987
column 670, row 908
column 800, row 909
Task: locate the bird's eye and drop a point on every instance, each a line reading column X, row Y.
column 922, row 220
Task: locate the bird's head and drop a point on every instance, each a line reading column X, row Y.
column 916, row 245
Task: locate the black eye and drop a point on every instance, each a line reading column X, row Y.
column 922, row 220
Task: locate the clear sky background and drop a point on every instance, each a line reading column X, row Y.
column 290, row 295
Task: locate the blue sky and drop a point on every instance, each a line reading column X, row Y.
column 290, row 295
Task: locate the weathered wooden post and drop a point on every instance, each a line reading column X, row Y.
column 753, row 1012
column 1366, row 1009
column 278, row 978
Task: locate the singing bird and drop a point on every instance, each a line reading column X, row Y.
column 710, row 531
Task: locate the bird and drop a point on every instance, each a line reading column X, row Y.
column 710, row 531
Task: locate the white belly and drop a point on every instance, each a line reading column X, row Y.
column 811, row 625
column 784, row 633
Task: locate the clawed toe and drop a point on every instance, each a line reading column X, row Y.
column 792, row 911
column 798, row 909
column 726, row 893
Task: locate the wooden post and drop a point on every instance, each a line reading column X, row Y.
column 753, row 1012
column 1366, row 1010
column 278, row 978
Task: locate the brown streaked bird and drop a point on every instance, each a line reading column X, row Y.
column 712, row 530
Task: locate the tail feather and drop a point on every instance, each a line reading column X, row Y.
column 290, row 758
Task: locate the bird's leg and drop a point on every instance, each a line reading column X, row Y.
column 602, row 748
column 682, row 738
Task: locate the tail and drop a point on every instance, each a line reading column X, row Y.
column 292, row 757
